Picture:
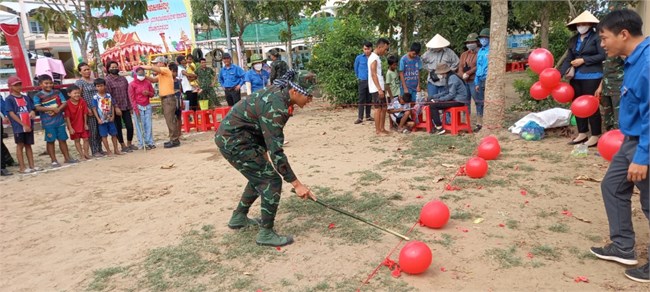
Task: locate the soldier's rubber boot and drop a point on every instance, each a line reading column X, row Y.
column 268, row 237
column 240, row 220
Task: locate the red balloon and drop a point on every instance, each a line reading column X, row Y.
column 476, row 167
column 538, row 92
column 434, row 214
column 415, row 257
column 550, row 78
column 490, row 138
column 609, row 143
column 540, row 59
column 563, row 93
column 489, row 150
column 584, row 106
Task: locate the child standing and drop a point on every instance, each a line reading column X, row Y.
column 51, row 104
column 392, row 79
column 191, row 69
column 20, row 109
column 75, row 117
column 104, row 111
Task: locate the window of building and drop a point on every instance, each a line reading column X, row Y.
column 35, row 27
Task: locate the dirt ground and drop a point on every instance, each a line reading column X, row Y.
column 126, row 224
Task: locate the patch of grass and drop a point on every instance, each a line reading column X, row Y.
column 426, row 146
column 421, row 188
column 581, row 254
column 536, row 264
column 446, row 240
column 449, row 196
column 593, row 238
column 376, row 149
column 395, row 197
column 559, row 228
column 507, row 258
column 409, row 163
column 512, row 224
column 553, row 157
column 562, row 179
column 467, row 183
column 421, row 178
column 242, row 283
column 322, row 286
column 545, row 214
column 548, row 252
column 369, row 178
column 461, row 215
column 101, row 277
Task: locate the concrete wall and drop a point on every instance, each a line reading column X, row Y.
column 644, row 10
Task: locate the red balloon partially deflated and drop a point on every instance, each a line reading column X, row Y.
column 584, row 106
column 563, row 93
column 540, row 59
column 609, row 144
column 415, row 257
column 538, row 92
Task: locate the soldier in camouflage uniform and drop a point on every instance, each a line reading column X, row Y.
column 609, row 90
column 252, row 128
column 278, row 67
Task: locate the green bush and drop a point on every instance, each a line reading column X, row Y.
column 527, row 103
column 333, row 58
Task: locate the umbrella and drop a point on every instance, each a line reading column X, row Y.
column 47, row 66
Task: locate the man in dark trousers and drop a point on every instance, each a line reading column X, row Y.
column 621, row 35
column 361, row 70
column 231, row 78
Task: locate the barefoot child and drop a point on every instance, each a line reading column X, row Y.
column 104, row 111
column 75, row 118
column 51, row 104
column 21, row 113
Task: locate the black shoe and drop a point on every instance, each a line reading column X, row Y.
column 369, row 119
column 640, row 274
column 126, row 149
column 478, row 128
column 172, row 144
column 5, row 172
column 167, row 144
column 578, row 142
column 611, row 253
column 359, row 121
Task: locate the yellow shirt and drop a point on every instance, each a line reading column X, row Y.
column 165, row 82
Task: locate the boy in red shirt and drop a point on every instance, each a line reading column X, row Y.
column 75, row 118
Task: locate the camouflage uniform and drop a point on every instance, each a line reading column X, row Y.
column 278, row 69
column 251, row 128
column 611, row 91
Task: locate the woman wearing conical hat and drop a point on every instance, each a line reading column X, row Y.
column 438, row 52
column 584, row 67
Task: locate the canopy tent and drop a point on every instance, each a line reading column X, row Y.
column 270, row 32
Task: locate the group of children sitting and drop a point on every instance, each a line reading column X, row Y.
column 58, row 114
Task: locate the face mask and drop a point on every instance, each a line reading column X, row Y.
column 471, row 47
column 484, row 41
column 114, row 71
column 257, row 67
column 140, row 77
column 583, row 29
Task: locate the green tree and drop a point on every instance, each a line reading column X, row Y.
column 85, row 25
column 290, row 12
column 333, row 58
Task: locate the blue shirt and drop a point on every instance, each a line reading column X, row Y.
column 231, row 76
column 361, row 67
column 411, row 70
column 11, row 105
column 633, row 116
column 482, row 65
column 53, row 98
column 257, row 80
column 585, row 76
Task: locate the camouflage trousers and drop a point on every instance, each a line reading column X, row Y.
column 609, row 108
column 262, row 178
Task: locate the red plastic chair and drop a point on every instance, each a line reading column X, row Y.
column 187, row 125
column 457, row 124
column 218, row 115
column 424, row 120
column 204, row 120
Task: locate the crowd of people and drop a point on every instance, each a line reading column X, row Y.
column 451, row 81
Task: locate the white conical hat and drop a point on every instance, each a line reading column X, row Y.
column 585, row 17
column 438, row 42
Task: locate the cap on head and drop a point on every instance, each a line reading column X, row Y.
column 13, row 80
column 274, row 53
column 226, row 56
column 472, row 37
column 484, row 33
column 255, row 58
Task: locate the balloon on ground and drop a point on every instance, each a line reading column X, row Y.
column 476, row 167
column 434, row 214
column 415, row 257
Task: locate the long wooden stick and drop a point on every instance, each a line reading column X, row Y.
column 363, row 220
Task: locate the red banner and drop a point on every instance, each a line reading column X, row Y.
column 17, row 53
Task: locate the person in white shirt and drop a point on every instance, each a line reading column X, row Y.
column 376, row 85
column 400, row 113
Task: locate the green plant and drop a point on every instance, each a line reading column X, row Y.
column 333, row 58
column 559, row 228
column 506, row 258
column 527, row 103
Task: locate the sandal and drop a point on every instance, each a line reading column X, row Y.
column 35, row 169
column 26, row 171
column 55, row 164
column 72, row 161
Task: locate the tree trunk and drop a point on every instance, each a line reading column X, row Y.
column 289, row 50
column 545, row 23
column 495, row 95
column 93, row 40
